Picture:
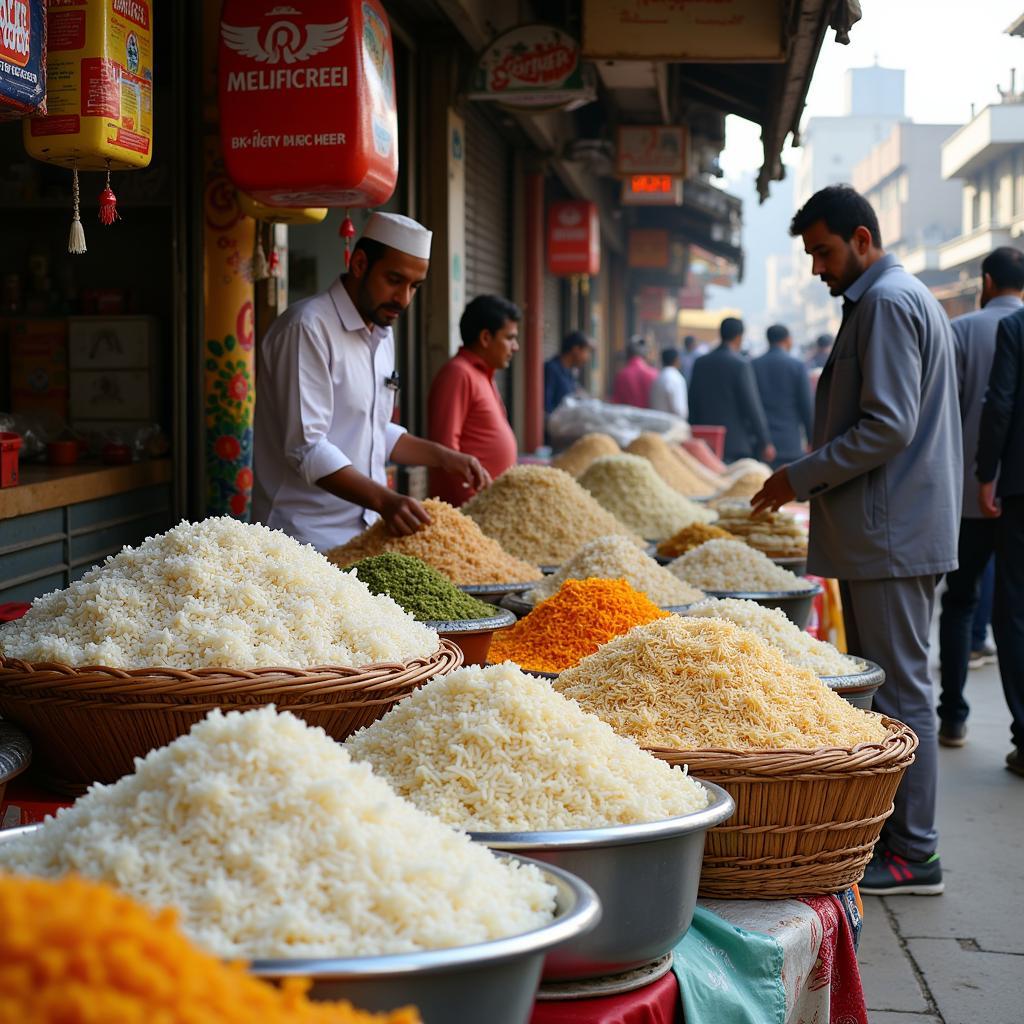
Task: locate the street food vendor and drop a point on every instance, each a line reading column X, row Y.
column 326, row 393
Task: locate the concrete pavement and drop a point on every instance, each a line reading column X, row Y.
column 959, row 958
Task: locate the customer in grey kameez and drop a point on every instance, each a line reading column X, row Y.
column 884, row 480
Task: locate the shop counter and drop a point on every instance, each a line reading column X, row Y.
column 61, row 520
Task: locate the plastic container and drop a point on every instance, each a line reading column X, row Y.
column 10, row 445
column 713, row 437
column 62, row 453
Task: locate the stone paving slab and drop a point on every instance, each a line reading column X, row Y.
column 971, row 987
column 885, row 970
column 887, row 1017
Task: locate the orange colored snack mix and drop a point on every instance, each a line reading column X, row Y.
column 575, row 622
column 77, row 952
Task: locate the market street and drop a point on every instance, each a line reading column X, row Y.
column 940, row 960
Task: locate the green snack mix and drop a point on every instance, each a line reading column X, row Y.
column 419, row 588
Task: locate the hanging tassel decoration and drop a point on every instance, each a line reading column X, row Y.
column 108, row 203
column 260, row 270
column 274, row 266
column 76, row 240
column 348, row 232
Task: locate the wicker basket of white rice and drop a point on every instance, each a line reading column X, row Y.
column 501, row 754
column 813, row 778
column 274, row 846
column 211, row 614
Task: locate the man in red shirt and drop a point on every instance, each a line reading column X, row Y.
column 633, row 382
column 464, row 408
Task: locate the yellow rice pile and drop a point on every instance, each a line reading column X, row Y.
column 582, row 452
column 694, row 684
column 542, row 514
column 452, row 543
column 690, row 537
column 672, row 469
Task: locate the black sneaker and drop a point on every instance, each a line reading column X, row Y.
column 952, row 734
column 1015, row 761
column 888, row 874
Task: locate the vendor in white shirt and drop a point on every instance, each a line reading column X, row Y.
column 326, row 392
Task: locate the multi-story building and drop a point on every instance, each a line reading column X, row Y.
column 918, row 210
column 987, row 156
column 873, row 104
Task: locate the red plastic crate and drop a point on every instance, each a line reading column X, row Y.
column 9, row 445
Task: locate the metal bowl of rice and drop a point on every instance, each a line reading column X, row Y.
column 520, row 606
column 492, row 981
column 493, row 593
column 858, row 688
column 796, row 564
column 646, row 877
column 795, row 603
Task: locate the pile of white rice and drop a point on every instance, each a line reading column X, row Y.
column 629, row 487
column 271, row 842
column 614, row 558
column 731, row 565
column 216, row 593
column 541, row 514
column 496, row 750
column 797, row 647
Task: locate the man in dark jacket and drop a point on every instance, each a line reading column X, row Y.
column 723, row 393
column 1001, row 451
column 786, row 396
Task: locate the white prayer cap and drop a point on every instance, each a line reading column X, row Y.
column 401, row 233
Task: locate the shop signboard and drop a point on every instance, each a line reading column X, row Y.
column 533, row 67
column 684, row 30
column 648, row 249
column 651, row 304
column 307, row 102
column 574, row 238
column 647, row 149
column 22, row 58
column 652, row 190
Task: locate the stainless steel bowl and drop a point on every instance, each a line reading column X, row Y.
column 646, row 877
column 494, row 981
column 492, row 593
column 446, row 627
column 860, row 687
column 15, row 754
column 796, row 564
column 519, row 606
column 795, row 603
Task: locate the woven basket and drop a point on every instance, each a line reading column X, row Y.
column 88, row 724
column 806, row 821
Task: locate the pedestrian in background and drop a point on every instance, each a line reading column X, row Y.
column 822, row 347
column 724, row 393
column 562, row 372
column 668, row 392
column 884, row 481
column 974, row 341
column 633, row 382
column 464, row 408
column 1001, row 453
column 785, row 394
column 691, row 353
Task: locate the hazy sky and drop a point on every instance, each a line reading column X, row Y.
column 955, row 53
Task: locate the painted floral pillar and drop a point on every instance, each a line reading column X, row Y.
column 228, row 392
column 228, row 325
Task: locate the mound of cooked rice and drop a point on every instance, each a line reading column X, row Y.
column 732, row 565
column 272, row 843
column 496, row 750
column 630, row 489
column 541, row 514
column 453, row 544
column 797, row 646
column 582, row 452
column 613, row 558
column 216, row 593
column 694, row 684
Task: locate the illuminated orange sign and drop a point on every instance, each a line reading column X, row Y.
column 652, row 190
column 651, row 183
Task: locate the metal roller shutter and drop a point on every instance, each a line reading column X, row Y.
column 488, row 206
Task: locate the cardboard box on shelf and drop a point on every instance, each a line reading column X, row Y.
column 38, row 348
